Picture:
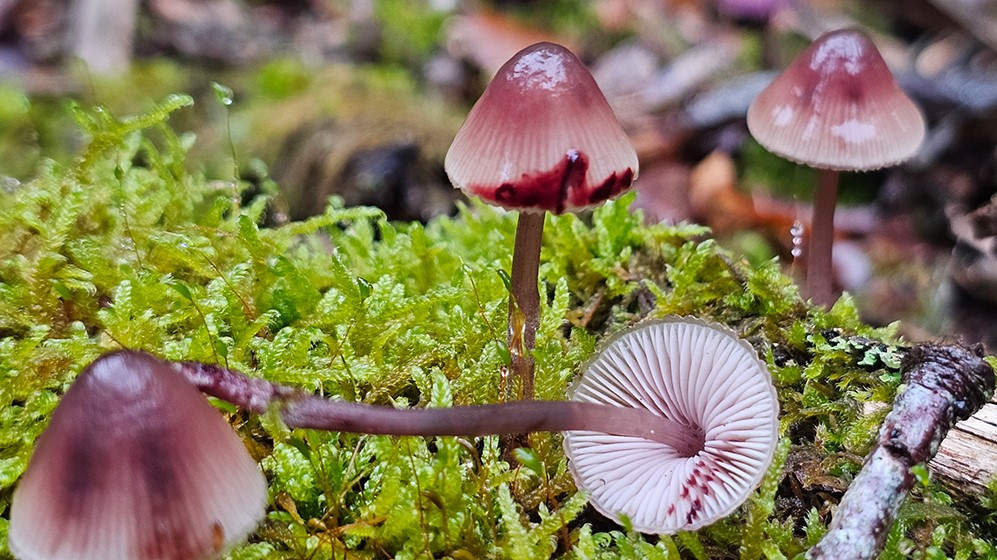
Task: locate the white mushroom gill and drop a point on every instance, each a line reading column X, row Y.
column 695, row 373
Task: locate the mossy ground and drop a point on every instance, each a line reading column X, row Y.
column 130, row 248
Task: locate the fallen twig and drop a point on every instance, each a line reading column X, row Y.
column 943, row 384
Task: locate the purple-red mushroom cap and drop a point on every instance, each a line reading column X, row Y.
column 700, row 375
column 135, row 464
column 542, row 137
column 837, row 106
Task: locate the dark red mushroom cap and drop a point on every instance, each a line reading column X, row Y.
column 542, row 137
column 135, row 464
column 837, row 106
column 695, row 373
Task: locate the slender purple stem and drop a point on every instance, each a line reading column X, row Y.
column 524, row 305
column 820, row 274
column 301, row 410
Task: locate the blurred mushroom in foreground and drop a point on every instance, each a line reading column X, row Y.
column 135, row 465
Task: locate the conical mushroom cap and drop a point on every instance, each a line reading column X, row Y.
column 542, row 137
column 837, row 106
column 695, row 373
column 135, row 465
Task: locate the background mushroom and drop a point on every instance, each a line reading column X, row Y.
column 694, row 373
column 835, row 108
column 135, row 464
column 541, row 138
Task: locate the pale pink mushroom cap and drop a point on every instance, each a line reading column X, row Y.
column 695, row 373
column 542, row 137
column 135, row 464
column 837, row 106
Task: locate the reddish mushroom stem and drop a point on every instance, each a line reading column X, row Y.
column 820, row 273
column 301, row 410
column 314, row 412
column 524, row 303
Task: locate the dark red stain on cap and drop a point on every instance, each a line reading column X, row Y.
column 563, row 187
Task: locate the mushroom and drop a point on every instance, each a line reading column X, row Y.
column 542, row 138
column 672, row 425
column 135, row 464
column 694, row 373
column 835, row 108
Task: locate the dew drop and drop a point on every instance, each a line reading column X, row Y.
column 797, row 232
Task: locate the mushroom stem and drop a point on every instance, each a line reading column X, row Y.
column 524, row 303
column 313, row 412
column 301, row 410
column 820, row 274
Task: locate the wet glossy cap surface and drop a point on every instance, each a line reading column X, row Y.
column 837, row 106
column 542, row 137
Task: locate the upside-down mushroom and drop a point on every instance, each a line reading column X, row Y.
column 694, row 373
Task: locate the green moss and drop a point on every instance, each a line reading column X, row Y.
column 128, row 247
